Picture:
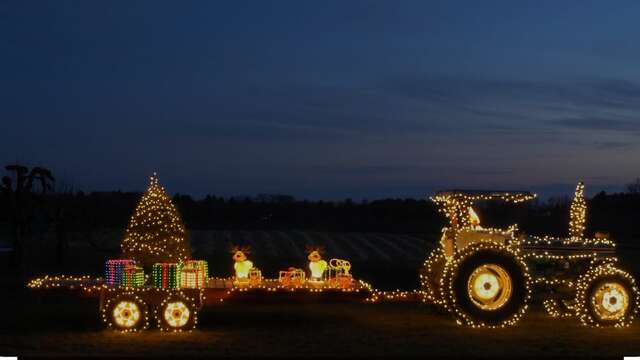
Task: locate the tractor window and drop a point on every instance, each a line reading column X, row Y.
column 500, row 214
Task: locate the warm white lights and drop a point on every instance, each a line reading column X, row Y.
column 176, row 314
column 489, row 286
column 483, row 276
column 584, row 268
column 126, row 314
column 155, row 232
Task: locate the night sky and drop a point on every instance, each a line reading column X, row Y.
column 323, row 99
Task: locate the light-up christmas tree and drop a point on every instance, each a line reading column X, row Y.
column 155, row 232
column 578, row 214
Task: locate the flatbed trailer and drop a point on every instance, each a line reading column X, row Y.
column 130, row 309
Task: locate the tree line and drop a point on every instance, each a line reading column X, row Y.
column 28, row 202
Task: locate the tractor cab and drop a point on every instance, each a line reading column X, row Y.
column 464, row 223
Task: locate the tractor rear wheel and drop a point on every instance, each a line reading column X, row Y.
column 430, row 276
column 486, row 285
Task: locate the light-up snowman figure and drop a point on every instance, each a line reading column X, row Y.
column 242, row 265
column 317, row 266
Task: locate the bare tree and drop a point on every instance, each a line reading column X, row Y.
column 634, row 187
column 22, row 195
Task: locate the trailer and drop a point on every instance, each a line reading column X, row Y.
column 131, row 309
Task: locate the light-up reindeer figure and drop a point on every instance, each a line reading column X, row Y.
column 316, row 264
column 242, row 265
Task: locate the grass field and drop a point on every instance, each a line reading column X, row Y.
column 57, row 326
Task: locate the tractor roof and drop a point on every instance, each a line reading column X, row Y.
column 482, row 195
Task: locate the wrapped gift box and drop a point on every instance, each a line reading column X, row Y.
column 292, row 277
column 133, row 276
column 115, row 271
column 255, row 277
column 194, row 274
column 166, row 275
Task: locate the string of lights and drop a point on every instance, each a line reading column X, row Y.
column 155, row 232
column 484, row 277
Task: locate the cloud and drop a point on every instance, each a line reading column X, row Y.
column 591, row 123
column 613, row 145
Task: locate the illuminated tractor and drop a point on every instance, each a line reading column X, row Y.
column 486, row 277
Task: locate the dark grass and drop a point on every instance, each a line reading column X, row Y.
column 63, row 328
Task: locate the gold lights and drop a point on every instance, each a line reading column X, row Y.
column 483, row 276
column 603, row 295
column 317, row 266
column 607, row 296
column 502, row 278
column 578, row 214
column 155, row 232
column 126, row 312
column 242, row 266
column 489, row 286
column 176, row 314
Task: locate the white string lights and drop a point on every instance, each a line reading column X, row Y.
column 485, row 277
column 155, row 233
column 603, row 295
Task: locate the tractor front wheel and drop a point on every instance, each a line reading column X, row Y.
column 606, row 297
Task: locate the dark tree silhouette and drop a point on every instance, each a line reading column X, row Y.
column 22, row 198
column 634, row 187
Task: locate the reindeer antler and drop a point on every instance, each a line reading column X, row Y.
column 311, row 248
column 246, row 249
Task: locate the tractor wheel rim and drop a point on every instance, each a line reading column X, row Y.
column 611, row 301
column 489, row 287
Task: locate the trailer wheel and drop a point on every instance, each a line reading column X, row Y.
column 486, row 285
column 430, row 276
column 177, row 313
column 607, row 297
column 126, row 313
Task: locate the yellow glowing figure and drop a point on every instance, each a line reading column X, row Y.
column 242, row 265
column 176, row 314
column 489, row 287
column 126, row 314
column 474, row 219
column 316, row 265
column 611, row 301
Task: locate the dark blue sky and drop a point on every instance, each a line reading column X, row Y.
column 325, row 99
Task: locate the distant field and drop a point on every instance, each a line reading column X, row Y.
column 388, row 261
